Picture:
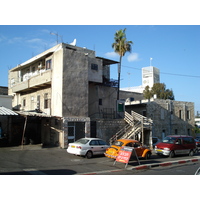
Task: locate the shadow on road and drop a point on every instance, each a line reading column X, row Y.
column 42, row 172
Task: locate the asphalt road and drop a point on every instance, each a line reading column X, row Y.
column 34, row 160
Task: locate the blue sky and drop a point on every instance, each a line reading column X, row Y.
column 175, row 51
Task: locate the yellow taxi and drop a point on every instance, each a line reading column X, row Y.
column 141, row 151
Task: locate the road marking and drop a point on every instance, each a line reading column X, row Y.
column 34, row 172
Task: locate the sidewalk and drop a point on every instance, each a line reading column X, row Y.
column 165, row 164
column 174, row 161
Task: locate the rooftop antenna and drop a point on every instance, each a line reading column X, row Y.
column 56, row 36
column 151, row 60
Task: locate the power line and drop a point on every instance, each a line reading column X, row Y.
column 172, row 74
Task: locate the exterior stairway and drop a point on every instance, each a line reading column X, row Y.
column 135, row 125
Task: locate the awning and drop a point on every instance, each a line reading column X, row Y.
column 107, row 61
column 33, row 114
column 6, row 112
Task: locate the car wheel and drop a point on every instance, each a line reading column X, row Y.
column 191, row 153
column 171, row 154
column 89, row 154
column 148, row 155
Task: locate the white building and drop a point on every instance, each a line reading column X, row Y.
column 150, row 75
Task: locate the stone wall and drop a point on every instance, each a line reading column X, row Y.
column 107, row 128
column 171, row 117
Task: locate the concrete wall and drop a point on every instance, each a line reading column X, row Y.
column 95, row 72
column 6, row 101
column 75, row 83
column 126, row 94
column 57, row 84
column 32, row 101
column 108, row 96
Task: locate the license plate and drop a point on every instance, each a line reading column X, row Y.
column 72, row 146
column 158, row 150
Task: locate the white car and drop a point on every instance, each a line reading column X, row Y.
column 88, row 147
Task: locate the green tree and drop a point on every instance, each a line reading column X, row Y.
column 147, row 92
column 121, row 46
column 160, row 90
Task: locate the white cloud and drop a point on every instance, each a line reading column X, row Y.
column 2, row 38
column 35, row 40
column 133, row 57
column 111, row 54
column 15, row 40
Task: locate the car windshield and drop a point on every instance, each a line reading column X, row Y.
column 118, row 143
column 169, row 140
column 82, row 141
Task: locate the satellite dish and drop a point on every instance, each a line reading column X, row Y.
column 73, row 43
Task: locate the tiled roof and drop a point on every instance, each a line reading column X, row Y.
column 6, row 111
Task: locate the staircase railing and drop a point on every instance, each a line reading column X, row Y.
column 120, row 133
column 135, row 124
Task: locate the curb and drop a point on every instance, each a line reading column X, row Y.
column 146, row 166
column 164, row 164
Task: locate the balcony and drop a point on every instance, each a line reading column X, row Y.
column 110, row 82
column 40, row 80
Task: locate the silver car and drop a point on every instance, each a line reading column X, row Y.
column 87, row 147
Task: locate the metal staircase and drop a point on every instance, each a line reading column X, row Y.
column 135, row 125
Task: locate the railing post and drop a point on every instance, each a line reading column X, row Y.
column 143, row 131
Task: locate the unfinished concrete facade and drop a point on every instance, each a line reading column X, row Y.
column 69, row 89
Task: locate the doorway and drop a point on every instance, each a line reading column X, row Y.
column 71, row 134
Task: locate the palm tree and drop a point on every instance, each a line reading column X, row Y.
column 121, row 46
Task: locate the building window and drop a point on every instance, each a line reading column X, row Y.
column 12, row 82
column 24, row 102
column 38, row 102
column 32, row 102
column 180, row 114
column 188, row 114
column 46, row 101
column 176, row 131
column 33, row 69
column 48, row 64
column 100, row 102
column 94, row 67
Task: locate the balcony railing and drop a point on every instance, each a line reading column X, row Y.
column 110, row 82
column 40, row 79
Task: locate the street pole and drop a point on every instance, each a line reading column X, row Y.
column 24, row 131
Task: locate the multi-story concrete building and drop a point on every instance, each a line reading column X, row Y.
column 64, row 91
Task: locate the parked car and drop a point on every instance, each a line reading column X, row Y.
column 198, row 138
column 197, row 142
column 87, row 147
column 155, row 140
column 141, row 151
column 176, row 144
